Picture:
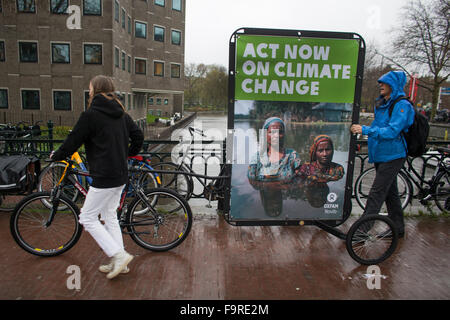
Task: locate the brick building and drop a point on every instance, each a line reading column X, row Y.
column 48, row 56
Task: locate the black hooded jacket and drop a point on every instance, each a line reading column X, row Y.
column 109, row 136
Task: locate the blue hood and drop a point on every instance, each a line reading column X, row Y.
column 396, row 80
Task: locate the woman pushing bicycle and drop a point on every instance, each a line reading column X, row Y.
column 109, row 135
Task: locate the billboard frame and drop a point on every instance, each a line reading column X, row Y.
column 231, row 109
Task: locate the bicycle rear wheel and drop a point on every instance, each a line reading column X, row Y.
column 29, row 230
column 364, row 183
column 442, row 196
column 372, row 239
column 164, row 224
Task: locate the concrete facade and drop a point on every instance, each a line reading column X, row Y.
column 114, row 29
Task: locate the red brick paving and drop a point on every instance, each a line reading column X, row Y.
column 220, row 261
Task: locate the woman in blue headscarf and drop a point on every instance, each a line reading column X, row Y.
column 275, row 163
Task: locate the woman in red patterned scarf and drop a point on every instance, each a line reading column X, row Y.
column 321, row 168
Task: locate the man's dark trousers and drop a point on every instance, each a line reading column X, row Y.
column 384, row 188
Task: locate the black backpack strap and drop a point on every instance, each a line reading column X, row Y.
column 391, row 107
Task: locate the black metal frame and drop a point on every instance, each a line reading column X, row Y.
column 355, row 119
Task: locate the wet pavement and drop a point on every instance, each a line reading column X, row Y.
column 219, row 261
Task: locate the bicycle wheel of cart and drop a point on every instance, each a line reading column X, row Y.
column 163, row 226
column 364, row 183
column 28, row 225
column 372, row 239
column 178, row 181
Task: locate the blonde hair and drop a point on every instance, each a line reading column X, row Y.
column 105, row 86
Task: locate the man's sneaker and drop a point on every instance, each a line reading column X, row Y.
column 120, row 262
column 107, row 268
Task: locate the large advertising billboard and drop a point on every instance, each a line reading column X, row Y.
column 292, row 101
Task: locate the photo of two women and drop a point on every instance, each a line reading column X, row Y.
column 300, row 163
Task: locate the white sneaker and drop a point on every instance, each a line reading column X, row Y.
column 120, row 262
column 106, row 268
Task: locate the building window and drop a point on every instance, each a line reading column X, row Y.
column 160, row 2
column 116, row 57
column 1, row 9
column 175, row 71
column 129, row 24
column 60, row 53
column 129, row 64
column 159, row 34
column 140, row 66
column 59, row 6
column 124, row 18
column 92, row 7
column 116, row 10
column 158, row 102
column 158, row 69
column 2, row 51
column 176, row 5
column 176, row 37
column 129, row 102
column 123, row 60
column 31, row 100
column 62, row 100
column 26, row 6
column 150, row 101
column 28, row 51
column 93, row 54
column 140, row 29
column 3, row 99
column 166, row 102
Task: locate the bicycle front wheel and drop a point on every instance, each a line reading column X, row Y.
column 372, row 239
column 50, row 177
column 364, row 183
column 442, row 196
column 29, row 225
column 159, row 222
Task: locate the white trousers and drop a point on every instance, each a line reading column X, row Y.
column 104, row 201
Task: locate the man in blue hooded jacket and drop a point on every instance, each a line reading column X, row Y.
column 387, row 147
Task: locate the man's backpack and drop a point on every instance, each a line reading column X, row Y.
column 417, row 134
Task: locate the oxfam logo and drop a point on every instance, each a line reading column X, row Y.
column 332, row 197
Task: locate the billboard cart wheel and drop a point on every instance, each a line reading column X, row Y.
column 372, row 239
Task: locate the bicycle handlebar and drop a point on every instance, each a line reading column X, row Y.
column 443, row 150
column 192, row 130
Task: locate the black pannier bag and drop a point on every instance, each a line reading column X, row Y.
column 19, row 174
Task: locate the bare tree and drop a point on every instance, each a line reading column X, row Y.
column 422, row 42
column 194, row 75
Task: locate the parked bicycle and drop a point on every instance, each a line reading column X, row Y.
column 437, row 188
column 180, row 177
column 15, row 139
column 46, row 223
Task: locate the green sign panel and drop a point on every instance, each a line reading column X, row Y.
column 275, row 68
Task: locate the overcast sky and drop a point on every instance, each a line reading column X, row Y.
column 210, row 23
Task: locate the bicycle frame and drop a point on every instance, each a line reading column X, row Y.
column 68, row 178
column 418, row 181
